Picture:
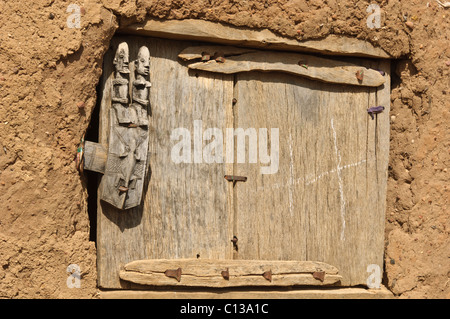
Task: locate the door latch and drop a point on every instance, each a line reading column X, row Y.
column 235, row 179
column 375, row 110
column 123, row 162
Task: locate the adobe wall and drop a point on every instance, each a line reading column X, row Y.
column 48, row 78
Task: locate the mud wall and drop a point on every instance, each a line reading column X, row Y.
column 48, row 77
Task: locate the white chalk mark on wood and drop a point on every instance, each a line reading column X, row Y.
column 341, row 186
column 291, row 177
column 310, row 178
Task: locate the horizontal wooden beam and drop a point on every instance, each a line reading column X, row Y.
column 205, row 267
column 201, row 30
column 229, row 273
column 268, row 293
column 313, row 67
column 156, row 279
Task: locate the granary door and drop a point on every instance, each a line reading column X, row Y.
column 309, row 202
column 326, row 202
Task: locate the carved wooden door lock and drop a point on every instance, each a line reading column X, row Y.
column 124, row 166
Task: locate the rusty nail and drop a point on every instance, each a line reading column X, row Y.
column 226, row 274
column 234, row 241
column 123, row 188
column 173, row 273
column 132, row 125
column 220, row 59
column 360, row 75
column 234, row 101
column 268, row 275
column 320, row 275
column 206, row 56
column 303, row 64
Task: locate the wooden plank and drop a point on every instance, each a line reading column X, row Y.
column 326, row 202
column 279, row 293
column 94, row 157
column 120, row 236
column 200, row 30
column 210, row 267
column 187, row 202
column 281, row 280
column 326, row 70
column 265, row 231
column 184, row 211
column 193, row 53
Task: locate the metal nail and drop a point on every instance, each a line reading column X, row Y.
column 319, row 275
column 173, row 273
column 268, row 275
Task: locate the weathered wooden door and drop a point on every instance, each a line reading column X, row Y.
column 324, row 203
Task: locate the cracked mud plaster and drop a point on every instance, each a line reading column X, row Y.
column 47, row 69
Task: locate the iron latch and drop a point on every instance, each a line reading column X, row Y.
column 232, row 178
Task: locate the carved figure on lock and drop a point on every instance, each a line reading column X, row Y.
column 122, row 184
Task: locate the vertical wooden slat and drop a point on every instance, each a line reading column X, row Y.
column 326, row 202
column 268, row 222
column 120, row 234
column 184, row 211
column 187, row 203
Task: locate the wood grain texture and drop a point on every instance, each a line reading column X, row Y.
column 326, row 202
column 212, row 267
column 94, row 157
column 193, row 53
column 157, row 279
column 187, row 201
column 120, row 235
column 184, row 211
column 208, row 273
column 312, row 67
column 200, row 30
column 261, row 293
